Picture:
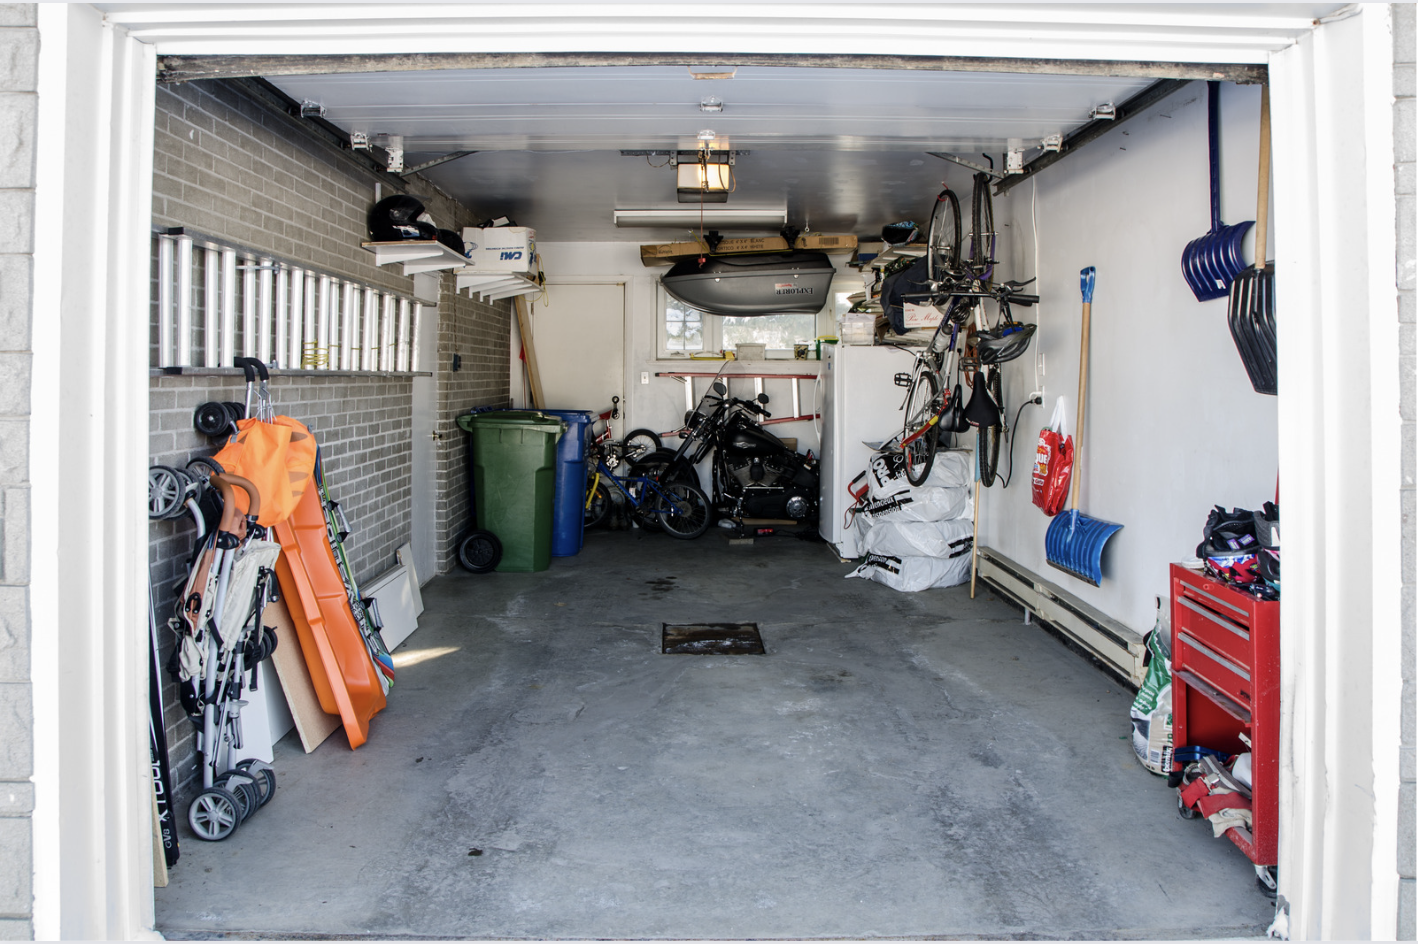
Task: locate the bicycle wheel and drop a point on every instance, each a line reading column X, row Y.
column 598, row 507
column 943, row 238
column 989, row 436
column 639, row 444
column 683, row 511
column 922, row 402
column 982, row 229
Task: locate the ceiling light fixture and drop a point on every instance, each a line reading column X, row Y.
column 703, row 182
column 711, row 105
column 765, row 218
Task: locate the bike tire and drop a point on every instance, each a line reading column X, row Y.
column 989, row 437
column 982, row 228
column 598, row 508
column 688, row 524
column 480, row 552
column 922, row 402
column 943, row 238
column 656, row 464
column 639, row 444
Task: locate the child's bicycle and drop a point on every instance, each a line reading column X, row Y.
column 638, row 444
column 679, row 508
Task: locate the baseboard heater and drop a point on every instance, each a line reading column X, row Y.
column 1117, row 646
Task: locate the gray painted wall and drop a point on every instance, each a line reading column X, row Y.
column 19, row 49
column 1403, row 160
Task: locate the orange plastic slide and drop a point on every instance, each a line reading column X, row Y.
column 345, row 678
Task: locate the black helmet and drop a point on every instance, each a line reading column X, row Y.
column 453, row 241
column 397, row 217
column 1004, row 343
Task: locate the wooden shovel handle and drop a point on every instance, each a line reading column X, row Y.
column 1263, row 194
column 1082, row 399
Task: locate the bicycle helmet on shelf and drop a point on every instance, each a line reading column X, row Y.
column 1004, row 343
column 899, row 234
column 453, row 241
column 397, row 217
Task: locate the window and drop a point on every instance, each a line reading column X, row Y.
column 685, row 331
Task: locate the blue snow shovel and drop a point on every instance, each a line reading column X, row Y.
column 1211, row 262
column 1074, row 541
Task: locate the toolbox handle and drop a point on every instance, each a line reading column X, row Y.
column 1223, row 623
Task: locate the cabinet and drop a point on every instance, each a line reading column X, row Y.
column 1225, row 683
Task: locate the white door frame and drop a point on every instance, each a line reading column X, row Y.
column 1339, row 450
column 93, row 844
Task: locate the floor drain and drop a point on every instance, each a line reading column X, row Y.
column 722, row 639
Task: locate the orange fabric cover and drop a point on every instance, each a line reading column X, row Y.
column 278, row 457
column 345, row 679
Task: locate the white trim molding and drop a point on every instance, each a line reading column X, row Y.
column 1339, row 482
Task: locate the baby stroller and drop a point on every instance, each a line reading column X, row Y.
column 219, row 635
column 221, row 638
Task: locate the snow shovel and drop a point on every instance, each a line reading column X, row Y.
column 1074, row 541
column 1211, row 262
column 1252, row 311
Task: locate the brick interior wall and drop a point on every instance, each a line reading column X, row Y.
column 363, row 427
column 480, row 334
column 229, row 166
column 1404, row 156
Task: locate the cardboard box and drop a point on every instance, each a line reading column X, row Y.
column 920, row 316
column 670, row 253
column 501, row 248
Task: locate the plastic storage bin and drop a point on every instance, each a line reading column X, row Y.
column 514, row 483
column 568, row 523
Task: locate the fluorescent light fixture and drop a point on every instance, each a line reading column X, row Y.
column 769, row 218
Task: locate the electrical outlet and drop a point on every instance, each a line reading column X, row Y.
column 644, row 376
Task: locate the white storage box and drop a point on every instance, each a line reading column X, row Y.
column 858, row 330
column 750, row 352
column 501, row 248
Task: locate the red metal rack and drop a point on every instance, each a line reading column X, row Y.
column 1226, row 682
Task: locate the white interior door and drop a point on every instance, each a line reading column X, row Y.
column 579, row 333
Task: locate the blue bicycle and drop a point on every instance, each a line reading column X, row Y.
column 679, row 508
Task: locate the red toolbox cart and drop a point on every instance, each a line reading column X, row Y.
column 1225, row 683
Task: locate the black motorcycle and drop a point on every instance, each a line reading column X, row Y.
column 755, row 475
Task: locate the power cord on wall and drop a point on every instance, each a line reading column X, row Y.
column 1036, row 399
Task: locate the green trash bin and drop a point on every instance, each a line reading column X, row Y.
column 514, row 482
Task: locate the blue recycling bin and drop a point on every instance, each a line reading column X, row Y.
column 568, row 524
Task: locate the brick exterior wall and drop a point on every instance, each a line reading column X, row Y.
column 19, row 49
column 1403, row 158
column 228, row 166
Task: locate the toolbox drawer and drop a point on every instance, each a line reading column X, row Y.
column 1228, row 676
column 1215, row 623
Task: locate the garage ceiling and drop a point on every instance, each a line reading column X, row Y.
column 842, row 149
column 558, row 90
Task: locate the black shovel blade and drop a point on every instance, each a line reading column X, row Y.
column 1251, row 317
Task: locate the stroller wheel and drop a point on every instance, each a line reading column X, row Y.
column 265, row 777
column 214, row 814
column 241, row 785
column 213, row 419
column 165, row 491
column 202, row 468
column 480, row 552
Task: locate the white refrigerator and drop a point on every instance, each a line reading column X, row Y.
column 861, row 404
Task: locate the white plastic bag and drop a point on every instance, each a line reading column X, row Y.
column 886, row 475
column 916, row 573
column 918, row 504
column 919, row 538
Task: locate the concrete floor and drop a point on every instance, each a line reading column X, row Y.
column 897, row 765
